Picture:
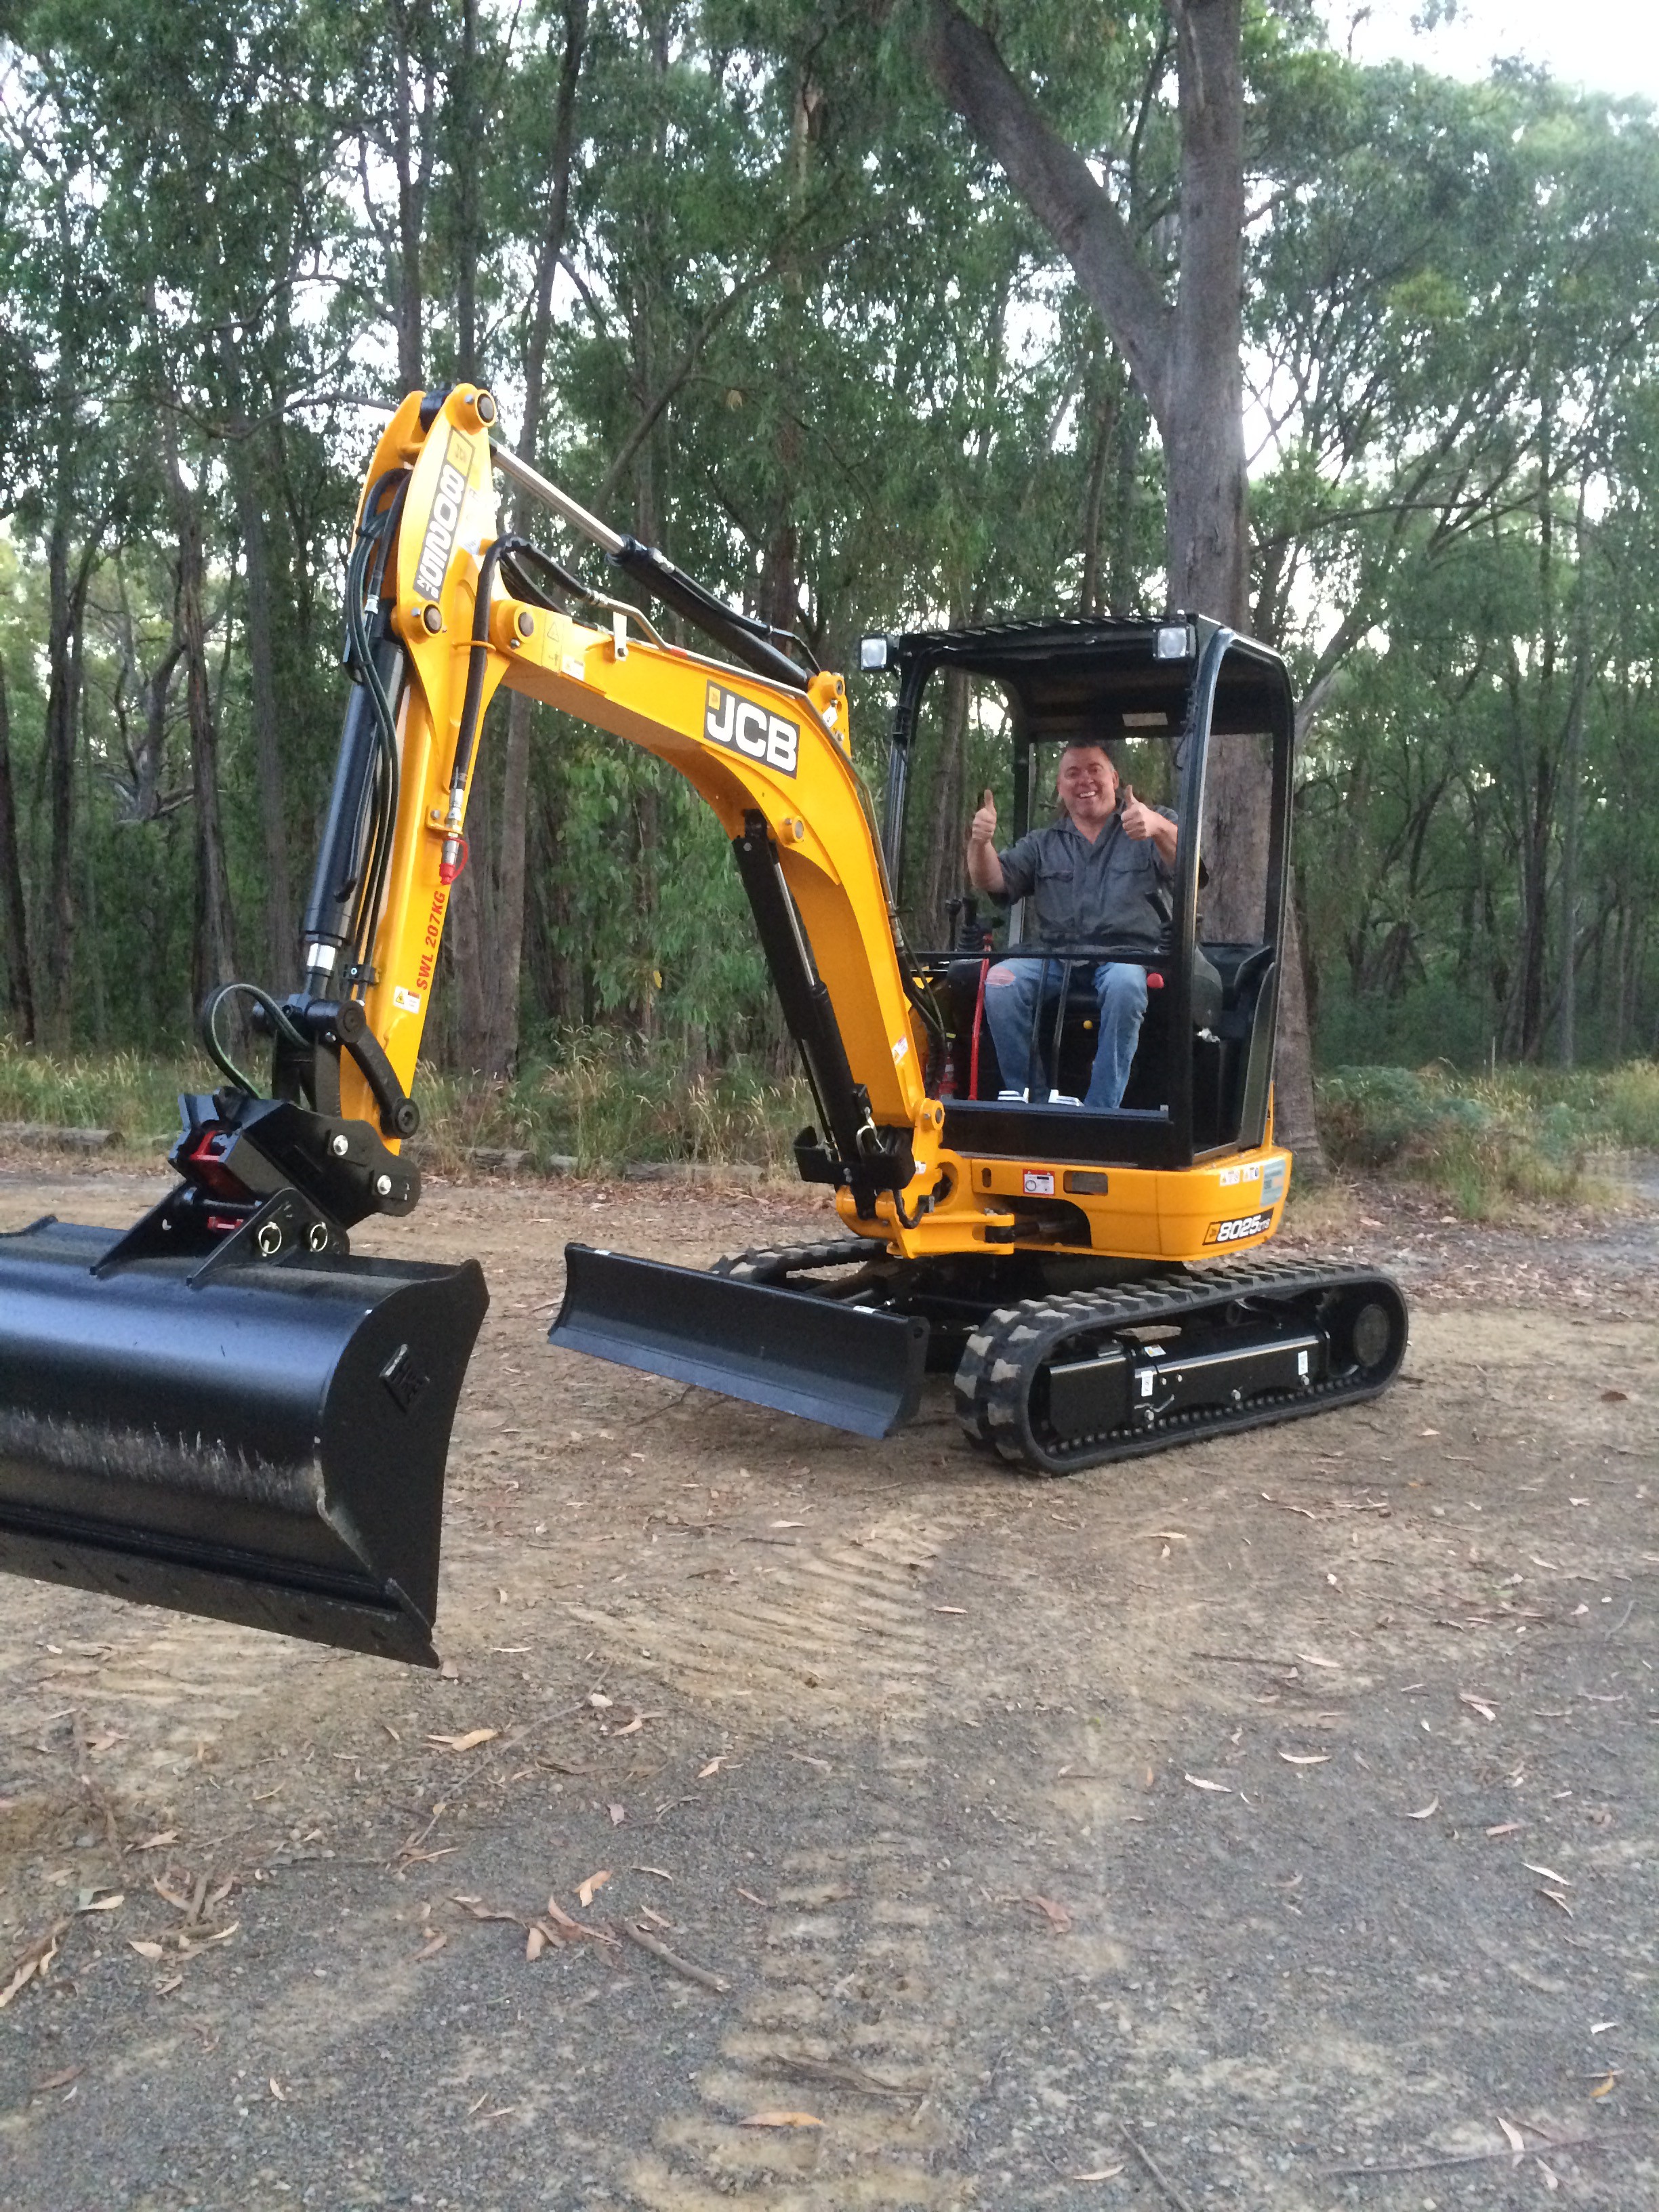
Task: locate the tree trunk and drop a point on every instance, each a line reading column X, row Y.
column 13, row 911
column 65, row 605
column 493, row 1040
column 213, row 952
column 281, row 951
column 1186, row 362
column 412, row 171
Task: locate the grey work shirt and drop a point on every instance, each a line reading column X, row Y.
column 1114, row 889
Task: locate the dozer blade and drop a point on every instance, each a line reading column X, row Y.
column 265, row 1445
column 842, row 1364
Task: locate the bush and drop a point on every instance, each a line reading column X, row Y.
column 1481, row 1140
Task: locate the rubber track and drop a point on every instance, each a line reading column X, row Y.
column 769, row 1263
column 1004, row 1358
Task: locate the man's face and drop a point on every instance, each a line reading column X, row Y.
column 1088, row 785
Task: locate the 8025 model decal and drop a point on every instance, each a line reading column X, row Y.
column 1229, row 1232
column 733, row 721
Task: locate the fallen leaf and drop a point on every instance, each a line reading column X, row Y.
column 1548, row 1872
column 470, row 1741
column 1486, row 1712
column 761, row 1901
column 535, row 1943
column 560, row 1918
column 1605, row 2088
column 277, row 2091
column 156, row 1843
column 630, row 1728
column 786, row 1524
column 433, row 1946
column 1615, row 1397
column 1057, row 1915
column 1428, row 1432
column 1515, row 2140
column 1100, row 2173
column 1552, row 2180
column 34, row 1964
column 661, row 1873
column 780, row 2120
column 1507, row 1828
column 657, row 1920
column 58, row 2080
column 584, row 1889
column 1557, row 1896
column 146, row 1949
column 712, row 1767
column 1433, row 1806
column 1199, row 1782
column 949, row 1608
column 1304, row 1758
column 1312, row 1659
column 617, row 1816
column 173, row 1982
column 110, row 1904
column 599, row 1702
column 1601, row 2026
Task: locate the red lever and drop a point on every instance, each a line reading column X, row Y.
column 1154, row 980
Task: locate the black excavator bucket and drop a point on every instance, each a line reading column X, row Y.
column 261, row 1443
column 842, row 1364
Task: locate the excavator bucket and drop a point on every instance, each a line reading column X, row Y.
column 846, row 1365
column 261, row 1443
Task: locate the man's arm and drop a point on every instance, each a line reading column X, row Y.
column 984, row 868
column 1141, row 821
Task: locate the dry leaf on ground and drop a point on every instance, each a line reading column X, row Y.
column 1100, row 2173
column 34, row 1964
column 584, row 1889
column 1222, row 1789
column 61, row 2080
column 1305, row 1758
column 470, row 1741
column 1514, row 2138
column 146, row 1949
column 1433, row 1806
column 780, row 2120
column 712, row 1767
column 1057, row 1915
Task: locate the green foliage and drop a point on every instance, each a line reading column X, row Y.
column 1483, row 1142
column 608, row 1105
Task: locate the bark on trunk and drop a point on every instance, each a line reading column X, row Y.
column 19, row 988
column 213, row 956
column 281, row 951
column 495, row 917
column 64, row 605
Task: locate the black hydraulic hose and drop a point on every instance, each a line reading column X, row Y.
column 744, row 638
column 274, row 1012
column 476, row 659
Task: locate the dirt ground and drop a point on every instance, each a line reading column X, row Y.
column 1270, row 1823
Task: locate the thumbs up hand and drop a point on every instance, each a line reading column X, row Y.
column 984, row 829
column 1138, row 818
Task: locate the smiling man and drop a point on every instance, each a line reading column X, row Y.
column 1099, row 875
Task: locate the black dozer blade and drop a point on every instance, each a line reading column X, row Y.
column 842, row 1364
column 266, row 1446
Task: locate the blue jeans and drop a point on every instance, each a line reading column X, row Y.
column 1015, row 989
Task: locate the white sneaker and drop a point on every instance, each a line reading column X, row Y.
column 1063, row 1098
column 1013, row 1098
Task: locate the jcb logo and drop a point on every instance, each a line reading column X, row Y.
column 445, row 519
column 1229, row 1232
column 749, row 729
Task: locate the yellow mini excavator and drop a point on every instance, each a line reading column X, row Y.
column 224, row 1411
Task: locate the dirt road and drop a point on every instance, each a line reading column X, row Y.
column 1269, row 1825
